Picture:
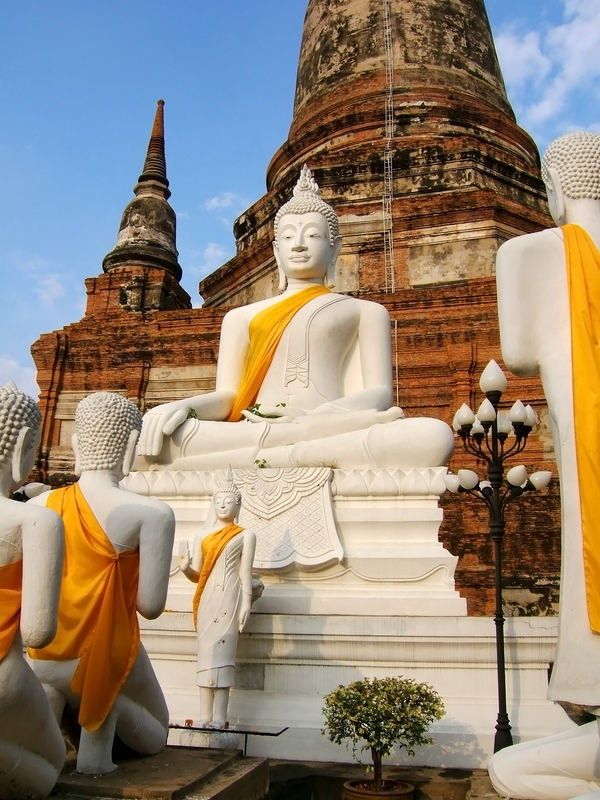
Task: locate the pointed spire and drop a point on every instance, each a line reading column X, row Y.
column 146, row 236
column 155, row 166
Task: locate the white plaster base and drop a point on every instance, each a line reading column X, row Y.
column 287, row 663
column 390, row 559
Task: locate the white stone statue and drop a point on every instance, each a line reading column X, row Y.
column 32, row 750
column 317, row 364
column 118, row 549
column 540, row 276
column 221, row 566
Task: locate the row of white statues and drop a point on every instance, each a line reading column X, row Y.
column 73, row 599
column 78, row 613
column 302, row 379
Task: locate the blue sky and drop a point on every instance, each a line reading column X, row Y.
column 80, row 80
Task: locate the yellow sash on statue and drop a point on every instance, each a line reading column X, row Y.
column 97, row 619
column 11, row 578
column 583, row 274
column 265, row 332
column 212, row 547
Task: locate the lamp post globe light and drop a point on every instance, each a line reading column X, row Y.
column 494, row 436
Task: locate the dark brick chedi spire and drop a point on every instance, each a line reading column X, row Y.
column 155, row 165
column 146, row 235
column 400, row 106
column 449, row 101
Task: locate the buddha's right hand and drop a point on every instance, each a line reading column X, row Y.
column 160, row 422
column 273, row 414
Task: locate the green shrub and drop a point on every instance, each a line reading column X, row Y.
column 382, row 713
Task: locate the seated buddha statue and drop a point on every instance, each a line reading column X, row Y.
column 303, row 378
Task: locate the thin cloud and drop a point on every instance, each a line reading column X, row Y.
column 214, row 255
column 522, row 59
column 49, row 289
column 224, row 200
column 202, row 262
column 23, row 377
column 558, row 67
column 46, row 283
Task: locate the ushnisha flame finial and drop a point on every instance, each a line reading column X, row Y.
column 306, row 183
column 230, row 487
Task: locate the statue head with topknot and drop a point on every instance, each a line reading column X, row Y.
column 20, row 420
column 571, row 170
column 107, row 426
column 306, row 199
column 226, row 501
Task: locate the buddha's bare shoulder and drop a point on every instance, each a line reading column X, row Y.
column 546, row 240
column 33, row 512
column 368, row 309
column 150, row 505
column 242, row 314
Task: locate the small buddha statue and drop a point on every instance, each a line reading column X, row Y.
column 221, row 566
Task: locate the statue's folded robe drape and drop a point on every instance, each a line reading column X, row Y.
column 212, row 547
column 265, row 332
column 583, row 274
column 97, row 620
column 11, row 578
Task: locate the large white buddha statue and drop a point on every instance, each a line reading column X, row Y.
column 316, row 366
column 549, row 307
column 32, row 750
column 118, row 549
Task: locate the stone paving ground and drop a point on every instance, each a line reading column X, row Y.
column 294, row 780
column 188, row 773
column 191, row 773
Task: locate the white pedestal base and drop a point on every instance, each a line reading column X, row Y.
column 388, row 558
column 287, row 663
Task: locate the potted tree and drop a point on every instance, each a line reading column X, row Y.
column 381, row 713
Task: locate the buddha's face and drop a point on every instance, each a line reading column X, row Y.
column 226, row 506
column 303, row 250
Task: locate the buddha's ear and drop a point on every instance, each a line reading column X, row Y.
column 556, row 197
column 282, row 276
column 19, row 466
column 75, row 448
column 335, row 252
column 129, row 453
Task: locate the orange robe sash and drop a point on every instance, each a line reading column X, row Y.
column 97, row 619
column 11, row 579
column 212, row 547
column 265, row 332
column 583, row 274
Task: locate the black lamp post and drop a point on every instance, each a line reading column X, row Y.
column 486, row 436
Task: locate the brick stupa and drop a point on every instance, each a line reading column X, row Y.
column 405, row 123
